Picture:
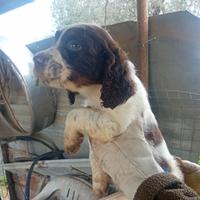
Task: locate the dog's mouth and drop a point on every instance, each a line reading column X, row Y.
column 41, row 79
column 50, row 82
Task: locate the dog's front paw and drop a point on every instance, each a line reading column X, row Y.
column 99, row 193
column 72, row 146
column 100, row 182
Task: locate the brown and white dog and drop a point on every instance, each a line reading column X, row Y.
column 86, row 60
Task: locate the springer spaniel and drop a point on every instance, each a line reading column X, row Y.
column 86, row 60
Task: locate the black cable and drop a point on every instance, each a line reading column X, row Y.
column 55, row 153
column 44, row 141
column 52, row 154
column 29, row 138
column 45, row 156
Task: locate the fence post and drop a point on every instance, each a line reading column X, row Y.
column 142, row 20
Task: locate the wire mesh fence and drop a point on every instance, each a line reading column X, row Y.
column 178, row 114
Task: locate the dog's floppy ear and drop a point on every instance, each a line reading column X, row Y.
column 117, row 86
column 71, row 97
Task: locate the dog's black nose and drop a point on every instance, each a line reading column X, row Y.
column 41, row 59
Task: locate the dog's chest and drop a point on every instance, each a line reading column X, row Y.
column 126, row 144
column 118, row 159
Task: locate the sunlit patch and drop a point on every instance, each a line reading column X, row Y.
column 34, row 22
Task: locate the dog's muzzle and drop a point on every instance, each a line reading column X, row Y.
column 41, row 60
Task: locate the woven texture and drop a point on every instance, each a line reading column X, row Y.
column 164, row 187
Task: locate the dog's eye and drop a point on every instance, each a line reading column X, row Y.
column 74, row 46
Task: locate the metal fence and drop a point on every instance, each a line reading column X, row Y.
column 178, row 114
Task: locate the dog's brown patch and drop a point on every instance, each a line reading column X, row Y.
column 80, row 80
column 154, row 136
column 117, row 85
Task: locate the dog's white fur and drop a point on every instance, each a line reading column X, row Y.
column 103, row 124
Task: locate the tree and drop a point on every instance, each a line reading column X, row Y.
column 166, row 6
column 66, row 12
column 69, row 11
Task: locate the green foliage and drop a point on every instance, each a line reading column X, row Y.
column 93, row 11
column 3, row 186
column 198, row 161
column 3, row 180
column 166, row 6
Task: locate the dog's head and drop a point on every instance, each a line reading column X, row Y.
column 84, row 55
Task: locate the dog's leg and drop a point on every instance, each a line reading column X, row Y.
column 158, row 145
column 97, row 125
column 72, row 142
column 100, row 180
